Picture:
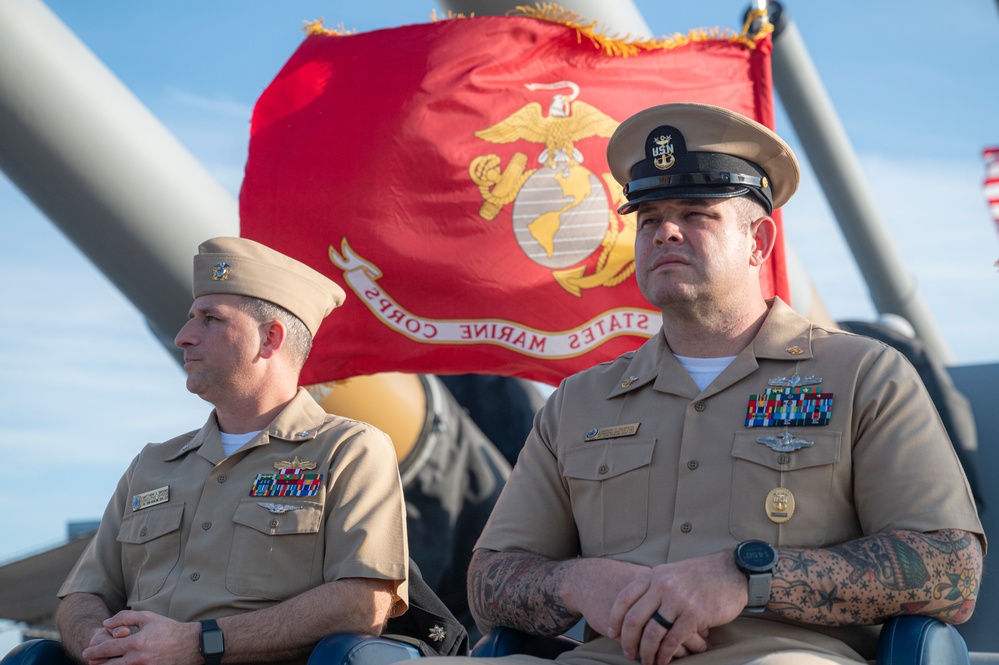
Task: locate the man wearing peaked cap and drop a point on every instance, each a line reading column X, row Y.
column 273, row 525
column 718, row 154
column 745, row 487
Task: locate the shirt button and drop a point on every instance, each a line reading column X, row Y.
column 195, row 577
column 700, row 406
column 603, row 469
column 206, row 525
column 221, row 478
column 692, row 464
column 143, row 531
column 783, row 458
column 686, row 527
column 274, row 524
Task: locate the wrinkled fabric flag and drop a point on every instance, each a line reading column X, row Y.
column 991, row 156
column 452, row 177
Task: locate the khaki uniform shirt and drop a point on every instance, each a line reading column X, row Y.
column 630, row 460
column 186, row 537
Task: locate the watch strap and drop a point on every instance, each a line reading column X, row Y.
column 212, row 655
column 759, row 591
column 756, row 559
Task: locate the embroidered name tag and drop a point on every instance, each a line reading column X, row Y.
column 287, row 482
column 794, row 407
column 612, row 432
column 150, row 498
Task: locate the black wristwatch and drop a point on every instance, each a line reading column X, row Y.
column 212, row 642
column 757, row 559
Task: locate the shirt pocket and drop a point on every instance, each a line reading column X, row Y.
column 808, row 473
column 150, row 548
column 273, row 554
column 609, row 489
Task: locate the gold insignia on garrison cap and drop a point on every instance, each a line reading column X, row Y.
column 244, row 267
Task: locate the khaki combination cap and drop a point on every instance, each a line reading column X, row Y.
column 686, row 150
column 244, row 267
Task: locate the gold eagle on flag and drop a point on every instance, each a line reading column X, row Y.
column 580, row 204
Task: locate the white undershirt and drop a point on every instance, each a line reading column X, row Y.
column 233, row 442
column 704, row 370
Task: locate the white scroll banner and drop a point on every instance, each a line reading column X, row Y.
column 362, row 277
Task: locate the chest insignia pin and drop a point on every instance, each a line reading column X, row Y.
column 277, row 508
column 784, row 443
column 295, row 464
column 780, row 505
column 795, row 381
column 437, row 633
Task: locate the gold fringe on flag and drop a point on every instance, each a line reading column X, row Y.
column 613, row 45
column 317, row 28
column 616, row 45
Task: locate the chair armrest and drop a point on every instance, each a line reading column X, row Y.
column 919, row 640
column 360, row 649
column 37, row 652
column 507, row 641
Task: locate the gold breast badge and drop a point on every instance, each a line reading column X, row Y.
column 295, row 464
column 780, row 505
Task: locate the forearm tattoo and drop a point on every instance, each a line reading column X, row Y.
column 872, row 579
column 518, row 590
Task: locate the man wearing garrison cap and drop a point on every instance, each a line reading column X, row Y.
column 273, row 525
column 747, row 486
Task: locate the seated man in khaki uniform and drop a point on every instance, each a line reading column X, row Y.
column 747, row 486
column 273, row 525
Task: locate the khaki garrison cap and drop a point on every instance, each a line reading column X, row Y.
column 685, row 150
column 243, row 267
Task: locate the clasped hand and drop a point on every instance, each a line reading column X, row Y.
column 145, row 637
column 694, row 595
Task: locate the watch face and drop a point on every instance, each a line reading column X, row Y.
column 756, row 556
column 211, row 642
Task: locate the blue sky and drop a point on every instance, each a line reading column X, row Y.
column 85, row 385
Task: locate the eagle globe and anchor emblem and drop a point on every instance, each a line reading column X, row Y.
column 561, row 214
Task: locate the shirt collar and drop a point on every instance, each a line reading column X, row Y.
column 300, row 421
column 784, row 335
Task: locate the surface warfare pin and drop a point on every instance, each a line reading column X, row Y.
column 150, row 498
column 295, row 463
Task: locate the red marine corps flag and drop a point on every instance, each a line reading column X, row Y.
column 452, row 177
column 991, row 156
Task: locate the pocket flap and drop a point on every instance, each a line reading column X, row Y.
column 144, row 525
column 825, row 449
column 280, row 515
column 605, row 459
